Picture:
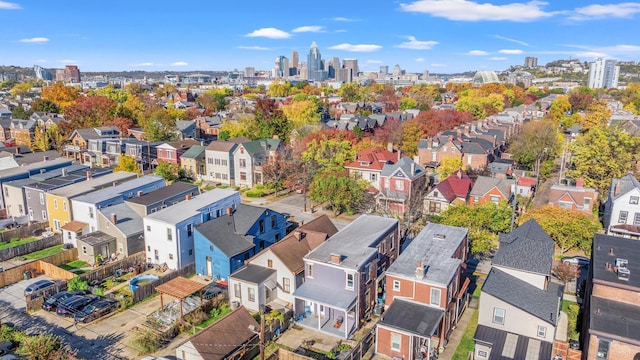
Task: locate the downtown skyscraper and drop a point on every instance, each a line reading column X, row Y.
column 314, row 64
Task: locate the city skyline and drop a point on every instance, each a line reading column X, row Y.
column 442, row 36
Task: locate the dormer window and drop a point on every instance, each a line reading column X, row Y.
column 633, row 200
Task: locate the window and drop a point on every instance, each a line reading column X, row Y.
column 400, row 185
column 277, row 237
column 90, row 213
column 56, row 224
column 392, row 241
column 310, row 270
column 435, row 296
column 252, row 294
column 273, row 221
column 148, row 227
column 261, row 244
column 587, row 203
column 482, row 354
column 498, row 316
column 236, row 290
column 224, row 162
column 603, row 350
column 542, row 331
column 396, row 342
column 261, row 225
column 210, row 247
column 217, row 161
column 28, row 195
column 243, row 176
column 396, row 285
column 495, row 199
column 622, row 218
column 374, row 177
column 44, row 215
column 286, row 285
column 350, row 281
column 242, row 163
column 170, row 256
column 169, row 234
column 634, row 200
column 156, row 254
column 41, row 199
column 565, row 205
column 149, row 248
column 84, row 249
column 269, row 263
column 190, row 252
column 55, row 203
column 64, row 205
column 189, row 229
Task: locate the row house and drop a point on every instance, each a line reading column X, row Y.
column 612, row 305
column 79, row 141
column 85, row 207
column 250, row 157
column 193, row 162
column 5, row 127
column 273, row 275
column 185, row 129
column 219, row 165
column 169, row 233
column 208, row 127
column 622, row 208
column 520, row 307
column 451, row 191
column 489, row 189
column 46, row 120
column 222, row 245
column 427, row 281
column 22, row 131
column 145, row 152
column 401, row 187
column 59, row 200
column 575, row 197
column 343, row 274
column 162, row 198
column 172, row 151
column 368, row 165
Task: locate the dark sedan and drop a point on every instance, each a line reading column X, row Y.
column 75, row 304
column 96, row 310
column 52, row 302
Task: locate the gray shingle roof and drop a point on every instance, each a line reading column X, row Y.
column 424, row 319
column 119, row 190
column 253, row 273
column 543, row 304
column 615, row 318
column 483, row 184
column 526, row 248
column 405, row 165
column 222, row 233
column 165, row 193
column 186, row 209
column 624, row 184
column 623, row 248
column 128, row 221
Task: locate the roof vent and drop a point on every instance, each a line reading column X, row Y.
column 439, row 236
column 623, row 270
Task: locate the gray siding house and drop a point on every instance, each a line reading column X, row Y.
column 162, row 198
column 125, row 225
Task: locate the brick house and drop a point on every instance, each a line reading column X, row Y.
column 401, row 187
column 574, row 197
column 452, row 191
column 368, row 165
column 487, row 189
column 22, row 131
column 172, row 151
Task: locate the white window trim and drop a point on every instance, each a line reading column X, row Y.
column 397, row 337
column 396, row 285
column 542, row 331
column 431, row 297
column 353, row 281
column 504, row 315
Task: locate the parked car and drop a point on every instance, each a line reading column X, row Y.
column 38, row 285
column 580, row 261
column 75, row 304
column 52, row 302
column 96, row 310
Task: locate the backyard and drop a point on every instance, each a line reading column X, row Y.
column 15, row 242
column 43, row 253
column 574, row 313
column 75, row 266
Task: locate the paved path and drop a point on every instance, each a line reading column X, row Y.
column 458, row 332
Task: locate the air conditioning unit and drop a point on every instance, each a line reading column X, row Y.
column 235, row 305
column 68, row 246
column 601, row 355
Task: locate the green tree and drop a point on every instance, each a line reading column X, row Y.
column 350, row 92
column 559, row 109
column 169, row 171
column 408, row 103
column 449, row 166
column 301, row 113
column 77, row 283
column 568, row 228
column 339, row 191
column 21, row 89
column 597, row 115
column 329, row 154
column 41, row 140
column 20, row 113
column 160, row 126
column 280, row 88
column 529, row 146
column 44, row 105
column 127, row 163
column 56, row 138
column 45, row 347
column 603, row 153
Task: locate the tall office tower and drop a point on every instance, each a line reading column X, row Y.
column 397, row 71
column 344, row 75
column 603, row 74
column 425, row 74
column 59, row 75
column 42, row 73
column 294, row 59
column 72, row 73
column 282, row 67
column 531, row 62
column 334, row 64
column 249, row 71
column 351, row 64
column 314, row 62
column 384, row 70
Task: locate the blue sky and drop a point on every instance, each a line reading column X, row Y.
column 442, row 36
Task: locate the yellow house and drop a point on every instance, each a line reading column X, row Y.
column 58, row 201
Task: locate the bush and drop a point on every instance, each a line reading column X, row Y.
column 146, row 341
column 254, row 193
column 77, row 283
column 45, row 346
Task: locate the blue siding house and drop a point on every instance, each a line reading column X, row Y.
column 224, row 243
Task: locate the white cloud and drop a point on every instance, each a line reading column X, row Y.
column 339, row 18
column 498, row 58
column 510, row 51
column 68, row 61
column 374, row 61
column 464, row 10
column 439, row 65
column 312, row 28
column 512, row 40
column 143, row 64
column 179, row 63
column 260, row 48
column 592, row 54
column 477, row 53
column 35, row 40
column 420, row 59
column 622, row 10
column 356, row 47
column 622, row 50
column 417, row 44
column 271, row 33
column 4, row 5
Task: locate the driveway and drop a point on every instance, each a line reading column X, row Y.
column 13, row 295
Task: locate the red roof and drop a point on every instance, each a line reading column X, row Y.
column 456, row 185
column 373, row 159
column 527, row 181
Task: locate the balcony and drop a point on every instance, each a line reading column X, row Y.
column 73, row 148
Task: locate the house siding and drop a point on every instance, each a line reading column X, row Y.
column 15, row 200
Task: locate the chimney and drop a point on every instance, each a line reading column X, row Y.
column 45, row 158
column 598, row 311
column 413, row 168
column 390, row 146
column 114, row 218
column 229, row 211
column 336, row 258
column 580, row 182
column 611, row 252
column 139, row 193
column 114, row 183
column 430, row 143
column 64, row 172
column 88, row 175
column 187, row 197
column 17, row 150
column 616, row 190
column 420, row 270
column 459, row 173
column 399, row 154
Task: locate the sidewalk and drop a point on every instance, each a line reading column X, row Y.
column 460, row 329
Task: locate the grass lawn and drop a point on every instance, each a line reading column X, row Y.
column 75, row 265
column 11, row 244
column 44, row 253
column 466, row 343
column 573, row 311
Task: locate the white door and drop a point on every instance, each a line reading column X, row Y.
column 209, row 266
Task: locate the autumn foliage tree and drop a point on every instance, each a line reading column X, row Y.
column 338, row 190
column 89, row 111
column 60, row 94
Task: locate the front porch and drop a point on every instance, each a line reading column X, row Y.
column 331, row 311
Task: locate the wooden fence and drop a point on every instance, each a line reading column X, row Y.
column 28, row 248
column 144, row 291
column 24, row 231
column 13, row 275
column 361, row 347
column 108, row 270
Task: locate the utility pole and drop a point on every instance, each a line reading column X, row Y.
column 262, row 335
